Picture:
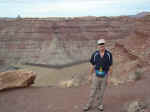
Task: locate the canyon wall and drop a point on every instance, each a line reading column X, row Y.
column 132, row 53
column 60, row 41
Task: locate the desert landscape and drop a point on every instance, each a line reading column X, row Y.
column 44, row 63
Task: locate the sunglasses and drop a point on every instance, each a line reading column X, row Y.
column 101, row 44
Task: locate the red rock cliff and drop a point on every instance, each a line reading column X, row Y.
column 59, row 41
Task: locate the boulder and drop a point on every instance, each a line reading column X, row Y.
column 77, row 80
column 16, row 79
column 135, row 106
column 67, row 83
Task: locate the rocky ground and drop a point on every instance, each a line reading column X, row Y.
column 56, row 99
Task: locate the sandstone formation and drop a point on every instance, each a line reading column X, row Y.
column 16, row 79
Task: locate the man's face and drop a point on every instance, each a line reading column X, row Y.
column 101, row 47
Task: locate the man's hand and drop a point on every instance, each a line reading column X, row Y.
column 90, row 73
column 109, row 74
column 110, row 70
column 90, row 78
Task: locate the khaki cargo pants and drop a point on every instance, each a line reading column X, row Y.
column 97, row 90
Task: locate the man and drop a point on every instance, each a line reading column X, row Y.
column 100, row 68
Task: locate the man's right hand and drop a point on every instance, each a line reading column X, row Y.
column 90, row 73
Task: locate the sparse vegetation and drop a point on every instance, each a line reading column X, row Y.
column 138, row 74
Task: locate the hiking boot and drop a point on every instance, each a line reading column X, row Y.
column 100, row 107
column 86, row 108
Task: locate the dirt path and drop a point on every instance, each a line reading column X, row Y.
column 54, row 99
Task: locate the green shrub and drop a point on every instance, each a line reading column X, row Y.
column 138, row 74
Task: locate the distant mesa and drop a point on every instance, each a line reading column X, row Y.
column 140, row 15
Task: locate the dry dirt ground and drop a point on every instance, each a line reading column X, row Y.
column 56, row 99
column 52, row 77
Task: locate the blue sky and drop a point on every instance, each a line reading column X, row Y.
column 71, row 8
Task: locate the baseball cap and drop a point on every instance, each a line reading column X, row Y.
column 100, row 41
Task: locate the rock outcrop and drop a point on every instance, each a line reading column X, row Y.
column 135, row 106
column 16, row 79
column 132, row 54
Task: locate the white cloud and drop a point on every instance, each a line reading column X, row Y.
column 71, row 6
